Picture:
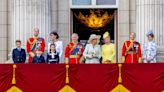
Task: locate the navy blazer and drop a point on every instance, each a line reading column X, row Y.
column 19, row 56
column 37, row 59
column 50, row 59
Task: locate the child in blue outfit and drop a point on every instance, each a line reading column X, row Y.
column 18, row 54
column 38, row 58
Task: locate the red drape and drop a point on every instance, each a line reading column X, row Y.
column 83, row 78
column 143, row 77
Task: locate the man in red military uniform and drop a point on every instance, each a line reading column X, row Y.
column 34, row 43
column 131, row 50
column 74, row 51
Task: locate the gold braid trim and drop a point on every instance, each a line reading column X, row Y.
column 130, row 46
column 72, row 48
column 32, row 43
column 35, row 40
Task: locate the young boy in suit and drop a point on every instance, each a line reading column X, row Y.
column 18, row 54
column 38, row 58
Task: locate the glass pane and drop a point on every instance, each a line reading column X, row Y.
column 81, row 2
column 106, row 2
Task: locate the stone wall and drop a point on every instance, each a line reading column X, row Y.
column 123, row 25
column 60, row 20
column 60, row 12
column 3, row 30
column 150, row 16
column 132, row 15
column 63, row 22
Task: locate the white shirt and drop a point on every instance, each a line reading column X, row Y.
column 59, row 48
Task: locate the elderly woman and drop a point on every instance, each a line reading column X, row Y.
column 150, row 49
column 92, row 52
column 59, row 45
column 108, row 50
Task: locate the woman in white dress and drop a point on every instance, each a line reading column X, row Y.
column 92, row 52
column 59, row 45
column 150, row 49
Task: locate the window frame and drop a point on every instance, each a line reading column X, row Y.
column 93, row 5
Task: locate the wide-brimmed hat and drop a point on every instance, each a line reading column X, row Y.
column 94, row 36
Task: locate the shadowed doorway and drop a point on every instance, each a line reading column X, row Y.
column 84, row 31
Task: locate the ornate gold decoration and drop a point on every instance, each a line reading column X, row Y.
column 67, row 88
column 120, row 87
column 67, row 77
column 14, row 88
column 14, row 80
column 95, row 20
column 119, row 77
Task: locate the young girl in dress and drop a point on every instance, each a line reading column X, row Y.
column 53, row 56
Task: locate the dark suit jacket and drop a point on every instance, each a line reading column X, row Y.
column 19, row 56
column 38, row 59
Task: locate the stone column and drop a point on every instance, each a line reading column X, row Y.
column 26, row 15
column 54, row 16
column 3, row 31
column 63, row 22
column 123, row 31
column 150, row 16
column 132, row 15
